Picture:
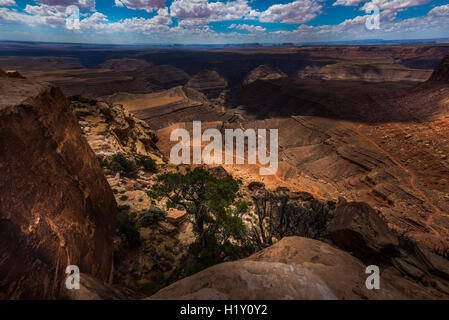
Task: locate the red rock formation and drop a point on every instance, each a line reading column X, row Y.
column 56, row 207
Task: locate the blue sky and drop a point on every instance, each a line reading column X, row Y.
column 214, row 21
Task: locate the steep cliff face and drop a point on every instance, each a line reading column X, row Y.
column 56, row 207
column 441, row 72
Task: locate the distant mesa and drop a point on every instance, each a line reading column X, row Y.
column 441, row 72
column 208, row 82
column 263, row 72
column 364, row 71
column 125, row 64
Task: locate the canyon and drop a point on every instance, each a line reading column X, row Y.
column 363, row 135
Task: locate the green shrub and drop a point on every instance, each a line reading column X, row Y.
column 211, row 253
column 127, row 230
column 123, row 198
column 119, row 163
column 168, row 257
column 124, row 207
column 151, row 216
column 103, row 162
column 148, row 164
column 157, row 282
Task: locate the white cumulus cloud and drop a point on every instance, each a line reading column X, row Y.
column 8, row 3
column 247, row 27
column 299, row 11
column 148, row 5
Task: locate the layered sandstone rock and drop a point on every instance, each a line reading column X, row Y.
column 57, row 208
column 176, row 216
column 208, row 82
column 263, row 72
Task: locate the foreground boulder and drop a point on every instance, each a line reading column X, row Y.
column 57, row 208
column 357, row 228
column 249, row 280
column 295, row 268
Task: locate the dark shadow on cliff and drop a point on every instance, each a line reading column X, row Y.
column 336, row 99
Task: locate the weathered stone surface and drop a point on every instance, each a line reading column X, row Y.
column 57, row 208
column 175, row 216
column 110, row 129
column 92, row 288
column 249, row 280
column 356, row 227
column 255, row 185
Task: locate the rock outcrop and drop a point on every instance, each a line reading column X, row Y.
column 441, row 72
column 11, row 74
column 208, row 82
column 110, row 128
column 263, row 72
column 357, row 228
column 57, row 208
column 14, row 74
column 294, row 268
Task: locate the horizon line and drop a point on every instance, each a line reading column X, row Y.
column 305, row 43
